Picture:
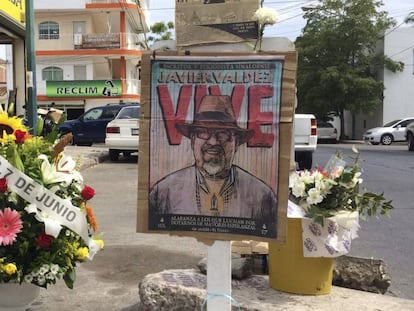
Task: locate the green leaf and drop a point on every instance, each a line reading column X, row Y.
column 70, row 278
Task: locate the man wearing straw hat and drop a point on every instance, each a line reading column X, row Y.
column 214, row 186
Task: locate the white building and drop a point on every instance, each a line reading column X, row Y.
column 399, row 87
column 88, row 52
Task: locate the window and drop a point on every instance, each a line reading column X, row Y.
column 48, row 30
column 93, row 114
column 79, row 72
column 52, row 74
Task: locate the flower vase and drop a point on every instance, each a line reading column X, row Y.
column 290, row 271
column 17, row 297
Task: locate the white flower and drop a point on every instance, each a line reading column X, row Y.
column 52, row 226
column 42, row 271
column 50, row 276
column 49, row 173
column 28, row 278
column 266, row 16
column 65, row 164
column 298, row 189
column 54, row 268
column 314, row 197
column 323, row 186
column 41, row 280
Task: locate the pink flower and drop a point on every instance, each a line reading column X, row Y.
column 10, row 225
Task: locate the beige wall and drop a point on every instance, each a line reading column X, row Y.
column 65, row 41
column 3, row 71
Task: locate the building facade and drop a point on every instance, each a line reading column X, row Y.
column 88, row 52
column 399, row 86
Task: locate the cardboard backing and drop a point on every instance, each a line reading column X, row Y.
column 287, row 107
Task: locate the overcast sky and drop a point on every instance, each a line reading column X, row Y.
column 290, row 13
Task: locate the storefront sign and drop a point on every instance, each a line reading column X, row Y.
column 15, row 9
column 84, row 88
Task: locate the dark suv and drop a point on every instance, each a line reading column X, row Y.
column 90, row 127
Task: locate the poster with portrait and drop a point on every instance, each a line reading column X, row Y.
column 215, row 140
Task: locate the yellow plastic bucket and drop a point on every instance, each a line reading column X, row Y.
column 290, row 272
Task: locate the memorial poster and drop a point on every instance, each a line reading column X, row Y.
column 211, row 132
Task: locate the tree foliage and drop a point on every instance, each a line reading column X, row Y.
column 160, row 31
column 338, row 62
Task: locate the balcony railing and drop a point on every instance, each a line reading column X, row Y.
column 97, row 41
column 130, row 41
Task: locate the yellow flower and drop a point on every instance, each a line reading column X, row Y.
column 8, row 125
column 82, row 253
column 10, row 268
column 100, row 243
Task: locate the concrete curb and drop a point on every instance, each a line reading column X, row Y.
column 88, row 156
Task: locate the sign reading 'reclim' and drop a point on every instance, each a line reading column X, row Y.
column 85, row 88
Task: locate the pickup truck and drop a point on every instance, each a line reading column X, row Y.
column 305, row 140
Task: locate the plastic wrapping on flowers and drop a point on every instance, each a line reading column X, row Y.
column 47, row 225
column 323, row 192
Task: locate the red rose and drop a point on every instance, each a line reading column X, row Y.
column 20, row 136
column 3, row 185
column 44, row 240
column 87, row 193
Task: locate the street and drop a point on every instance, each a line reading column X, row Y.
column 388, row 169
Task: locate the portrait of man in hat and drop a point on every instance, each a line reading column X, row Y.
column 213, row 185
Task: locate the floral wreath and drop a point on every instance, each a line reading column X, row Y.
column 47, row 226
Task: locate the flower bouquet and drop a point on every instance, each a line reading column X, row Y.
column 330, row 203
column 324, row 192
column 46, row 224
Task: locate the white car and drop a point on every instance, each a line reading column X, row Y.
column 389, row 133
column 327, row 132
column 122, row 133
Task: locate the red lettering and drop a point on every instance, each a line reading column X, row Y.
column 257, row 118
column 167, row 109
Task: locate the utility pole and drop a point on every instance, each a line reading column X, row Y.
column 31, row 101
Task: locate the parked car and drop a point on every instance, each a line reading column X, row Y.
column 409, row 135
column 90, row 127
column 327, row 132
column 122, row 133
column 305, row 140
column 388, row 133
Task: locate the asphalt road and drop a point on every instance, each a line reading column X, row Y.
column 388, row 169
